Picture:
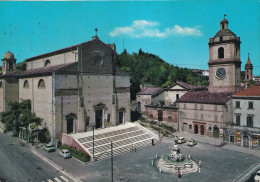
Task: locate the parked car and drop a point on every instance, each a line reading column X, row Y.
column 192, row 142
column 65, row 153
column 49, row 148
column 257, row 176
column 181, row 140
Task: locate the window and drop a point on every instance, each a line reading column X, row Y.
column 215, row 108
column 201, row 107
column 223, row 26
column 220, row 38
column 201, row 116
column 184, row 105
column 237, row 104
column 215, row 118
column 250, row 105
column 250, row 121
column 221, row 52
column 47, row 63
column 1, row 84
column 177, row 96
column 26, row 84
column 41, row 84
column 169, row 118
column 114, row 101
column 151, row 116
column 237, row 120
column 10, row 66
column 247, row 76
column 195, row 106
column 190, row 126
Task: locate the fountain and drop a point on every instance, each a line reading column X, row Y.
column 171, row 163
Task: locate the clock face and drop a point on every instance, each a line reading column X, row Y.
column 97, row 60
column 221, row 73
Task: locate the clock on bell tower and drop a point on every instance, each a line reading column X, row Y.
column 224, row 60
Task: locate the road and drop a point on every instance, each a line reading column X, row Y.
column 19, row 164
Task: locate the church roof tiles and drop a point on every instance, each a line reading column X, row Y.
column 150, row 91
column 205, row 97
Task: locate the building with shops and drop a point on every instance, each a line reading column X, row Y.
column 206, row 113
column 245, row 127
column 71, row 89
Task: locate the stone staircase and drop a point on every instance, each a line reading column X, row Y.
column 123, row 137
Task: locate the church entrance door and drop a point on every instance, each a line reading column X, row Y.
column 98, row 118
column 202, row 130
column 70, row 122
column 121, row 117
column 196, row 129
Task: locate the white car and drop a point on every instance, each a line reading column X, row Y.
column 181, row 140
column 257, row 176
column 65, row 153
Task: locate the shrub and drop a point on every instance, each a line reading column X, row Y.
column 153, row 122
column 76, row 153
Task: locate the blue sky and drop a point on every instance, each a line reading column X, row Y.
column 177, row 31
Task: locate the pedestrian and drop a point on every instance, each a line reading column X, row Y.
column 133, row 147
column 179, row 173
column 153, row 142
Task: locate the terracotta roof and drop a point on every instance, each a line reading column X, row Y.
column 150, row 91
column 37, row 71
column 205, row 97
column 189, row 86
column 253, row 91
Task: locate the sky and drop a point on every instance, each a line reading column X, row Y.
column 177, row 31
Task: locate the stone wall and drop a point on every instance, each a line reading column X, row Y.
column 62, row 58
column 41, row 98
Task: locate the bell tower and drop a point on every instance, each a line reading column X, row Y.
column 248, row 71
column 8, row 63
column 224, row 60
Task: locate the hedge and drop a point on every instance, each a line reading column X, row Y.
column 76, row 153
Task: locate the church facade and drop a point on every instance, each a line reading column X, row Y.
column 71, row 89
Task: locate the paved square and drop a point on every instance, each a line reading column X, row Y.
column 218, row 164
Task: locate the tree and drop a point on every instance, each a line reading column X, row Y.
column 19, row 115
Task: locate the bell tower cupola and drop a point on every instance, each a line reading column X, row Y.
column 248, row 71
column 224, row 23
column 8, row 63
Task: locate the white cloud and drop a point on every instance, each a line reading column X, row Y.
column 143, row 28
column 183, row 31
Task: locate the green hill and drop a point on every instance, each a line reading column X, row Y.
column 148, row 69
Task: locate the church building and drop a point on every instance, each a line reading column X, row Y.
column 71, row 89
column 207, row 112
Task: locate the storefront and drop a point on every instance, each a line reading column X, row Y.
column 242, row 137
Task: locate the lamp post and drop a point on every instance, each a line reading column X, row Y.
column 93, row 128
column 111, row 161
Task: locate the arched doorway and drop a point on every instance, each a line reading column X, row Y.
column 215, row 132
column 202, row 129
column 99, row 108
column 70, row 121
column 196, row 129
column 160, row 115
column 246, row 141
column 121, row 115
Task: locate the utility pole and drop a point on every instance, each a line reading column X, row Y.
column 111, row 161
column 93, row 142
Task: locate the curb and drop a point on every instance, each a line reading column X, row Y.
column 241, row 176
column 60, row 169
